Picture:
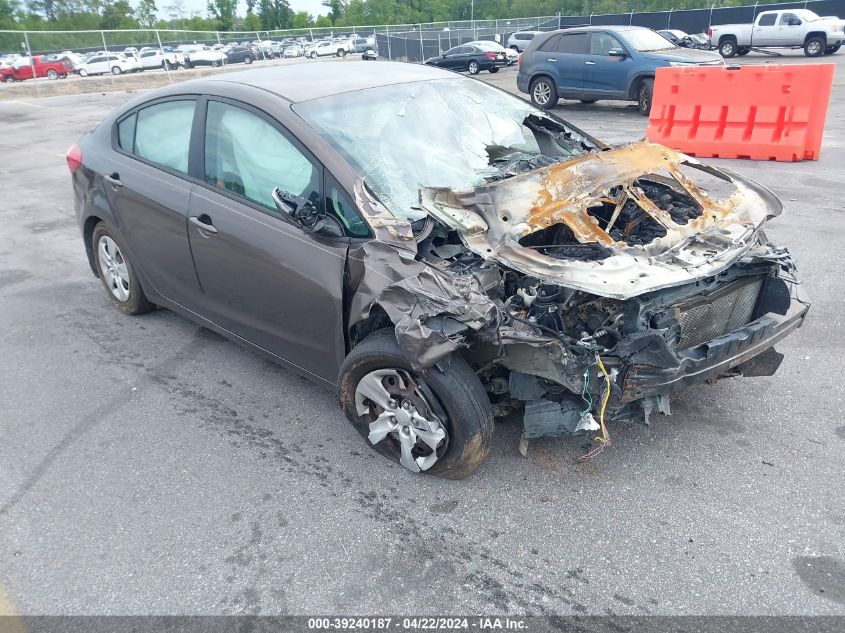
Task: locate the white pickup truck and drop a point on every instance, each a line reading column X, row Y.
column 795, row 28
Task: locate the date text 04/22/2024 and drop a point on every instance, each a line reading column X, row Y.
column 481, row 623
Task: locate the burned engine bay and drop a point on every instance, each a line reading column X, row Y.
column 585, row 289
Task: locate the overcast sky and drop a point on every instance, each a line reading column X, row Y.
column 314, row 7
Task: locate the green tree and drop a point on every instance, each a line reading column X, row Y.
column 8, row 9
column 336, row 9
column 302, row 20
column 275, row 14
column 251, row 22
column 117, row 15
column 224, row 12
column 146, row 12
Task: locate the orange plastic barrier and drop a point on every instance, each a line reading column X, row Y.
column 758, row 112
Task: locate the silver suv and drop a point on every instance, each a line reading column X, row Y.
column 518, row 41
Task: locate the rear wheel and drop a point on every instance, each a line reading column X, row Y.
column 117, row 273
column 215, row 64
column 83, row 73
column 727, row 47
column 830, row 50
column 644, row 94
column 438, row 421
column 116, row 70
column 473, row 67
column 341, row 52
column 52, row 74
column 165, row 64
column 814, row 46
column 543, row 93
column 494, row 70
column 247, row 59
column 8, row 79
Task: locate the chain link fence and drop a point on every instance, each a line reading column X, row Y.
column 399, row 42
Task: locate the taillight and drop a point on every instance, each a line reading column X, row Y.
column 74, row 158
column 490, row 54
column 710, row 31
column 519, row 60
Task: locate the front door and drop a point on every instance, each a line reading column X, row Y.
column 606, row 74
column 263, row 278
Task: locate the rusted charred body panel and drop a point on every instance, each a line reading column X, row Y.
column 493, row 219
column 534, row 324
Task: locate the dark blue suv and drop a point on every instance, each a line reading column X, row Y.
column 601, row 62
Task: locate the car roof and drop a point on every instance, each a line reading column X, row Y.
column 303, row 82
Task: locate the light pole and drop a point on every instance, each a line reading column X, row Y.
column 472, row 16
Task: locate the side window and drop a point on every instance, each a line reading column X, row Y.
column 768, row 19
column 163, row 133
column 247, row 156
column 602, row 43
column 572, row 43
column 550, row 45
column 785, row 18
column 126, row 133
column 339, row 204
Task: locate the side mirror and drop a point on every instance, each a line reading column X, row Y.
column 298, row 210
column 617, row 52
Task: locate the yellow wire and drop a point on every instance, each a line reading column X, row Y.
column 604, row 439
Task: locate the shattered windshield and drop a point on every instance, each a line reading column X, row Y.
column 455, row 133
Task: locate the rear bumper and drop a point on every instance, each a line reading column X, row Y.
column 716, row 357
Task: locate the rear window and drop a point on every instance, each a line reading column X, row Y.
column 572, row 43
column 550, row 45
column 524, row 36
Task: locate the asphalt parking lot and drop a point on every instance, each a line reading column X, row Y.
column 148, row 466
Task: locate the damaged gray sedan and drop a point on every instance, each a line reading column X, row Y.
column 441, row 252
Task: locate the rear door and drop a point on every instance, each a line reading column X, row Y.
column 566, row 54
column 606, row 75
column 147, row 187
column 263, row 278
column 789, row 29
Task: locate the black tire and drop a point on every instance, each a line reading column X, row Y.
column 473, row 68
column 454, row 385
column 115, row 70
column 8, row 79
column 743, row 50
column 137, row 303
column 83, row 73
column 728, row 47
column 52, row 74
column 644, row 93
column 587, row 101
column 830, row 50
column 494, row 70
column 815, row 46
column 535, row 90
column 165, row 64
column 215, row 64
column 189, row 65
column 341, row 52
column 247, row 59
column 515, row 48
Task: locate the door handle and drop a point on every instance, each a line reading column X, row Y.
column 203, row 222
column 551, row 59
column 113, row 179
column 590, row 63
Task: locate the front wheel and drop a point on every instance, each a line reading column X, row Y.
column 52, row 74
column 438, row 421
column 727, row 48
column 494, row 70
column 341, row 52
column 830, row 50
column 644, row 94
column 473, row 67
column 117, row 273
column 247, row 59
column 83, row 73
column 215, row 64
column 543, row 93
column 116, row 70
column 165, row 64
column 814, row 47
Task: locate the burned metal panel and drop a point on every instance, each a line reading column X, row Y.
column 492, row 219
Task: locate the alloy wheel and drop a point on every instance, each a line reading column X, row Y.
column 113, row 268
column 542, row 93
column 403, row 411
